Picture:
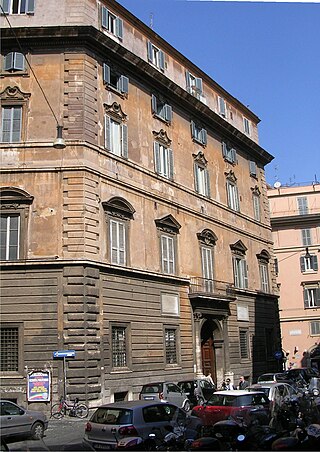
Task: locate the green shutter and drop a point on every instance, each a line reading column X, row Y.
column 170, row 162
column 107, row 141
column 149, row 48
column 106, row 74
column 302, row 264
column 104, row 17
column 168, row 112
column 161, row 60
column 6, row 6
column 156, row 148
column 314, row 263
column 30, row 7
column 119, row 28
column 154, row 104
column 124, row 84
column 124, row 140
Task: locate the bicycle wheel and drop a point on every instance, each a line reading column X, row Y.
column 57, row 411
column 82, row 410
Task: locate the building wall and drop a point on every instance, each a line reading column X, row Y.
column 287, row 224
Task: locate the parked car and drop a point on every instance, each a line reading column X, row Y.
column 299, row 374
column 18, row 424
column 167, row 392
column 269, row 378
column 274, row 391
column 234, row 403
column 112, row 422
column 198, row 390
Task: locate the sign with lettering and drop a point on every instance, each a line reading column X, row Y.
column 39, row 385
column 64, row 354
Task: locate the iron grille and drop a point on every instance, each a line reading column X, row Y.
column 9, row 349
column 119, row 348
column 171, row 346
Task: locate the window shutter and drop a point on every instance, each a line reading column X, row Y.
column 154, row 104
column 302, row 264
column 164, row 254
column 188, row 84
column 236, row 194
column 119, row 27
column 157, row 157
column 18, row 61
column 204, row 136
column 224, row 149
column 171, row 256
column 16, row 124
column 252, row 166
column 107, row 141
column 114, row 241
column 124, row 137
column 314, row 263
column 30, row 7
column 317, row 298
column 168, row 112
column 124, row 84
column 122, row 244
column 193, row 129
column 104, row 17
column 222, row 106
column 235, row 272
column 207, row 182
column 305, row 298
column 106, row 74
column 161, row 60
column 196, row 177
column 149, row 51
column 233, row 155
column 245, row 273
column 199, row 85
column 5, row 6
column 9, row 61
column 170, row 162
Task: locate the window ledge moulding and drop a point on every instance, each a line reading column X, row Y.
column 295, row 220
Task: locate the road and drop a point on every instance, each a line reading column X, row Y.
column 62, row 434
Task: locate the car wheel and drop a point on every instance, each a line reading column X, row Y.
column 37, row 430
column 186, row 406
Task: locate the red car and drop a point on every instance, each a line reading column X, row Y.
column 236, row 403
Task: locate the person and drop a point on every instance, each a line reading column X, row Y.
column 209, row 378
column 243, row 384
column 228, row 384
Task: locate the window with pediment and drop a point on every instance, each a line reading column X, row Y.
column 232, row 191
column 240, row 268
column 116, row 130
column 168, row 229
column 256, row 195
column 163, row 154
column 13, row 112
column 207, row 240
column 263, row 261
column 201, row 174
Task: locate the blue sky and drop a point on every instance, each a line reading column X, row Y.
column 267, row 55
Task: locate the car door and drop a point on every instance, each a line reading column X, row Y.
column 207, row 389
column 14, row 420
column 174, row 394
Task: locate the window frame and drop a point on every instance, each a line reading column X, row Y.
column 256, row 206
column 20, row 348
column 244, row 343
column 198, row 133
column 302, row 202
column 311, row 295
column 240, row 272
column 156, row 56
column 114, row 80
column 306, row 235
column 163, row 160
column 194, row 85
column 229, row 153
column 222, row 107
column 246, row 126
column 202, row 179
column 8, row 6
column 112, row 23
column 11, row 122
column 11, row 65
column 126, row 327
column 176, row 351
column 314, row 331
column 161, row 110
column 233, row 195
column 309, row 263
column 264, row 277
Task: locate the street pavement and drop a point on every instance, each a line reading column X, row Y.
column 62, row 434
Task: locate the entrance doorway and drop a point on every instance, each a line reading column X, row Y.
column 208, row 353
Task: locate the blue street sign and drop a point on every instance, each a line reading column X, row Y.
column 64, row 354
column 278, row 355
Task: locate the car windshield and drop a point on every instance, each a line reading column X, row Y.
column 233, row 400
column 105, row 415
column 152, row 388
column 266, row 377
column 261, row 389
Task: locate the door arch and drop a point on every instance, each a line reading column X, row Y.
column 211, row 345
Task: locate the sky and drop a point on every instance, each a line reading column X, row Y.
column 267, row 55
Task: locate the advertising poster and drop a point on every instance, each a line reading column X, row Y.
column 39, row 384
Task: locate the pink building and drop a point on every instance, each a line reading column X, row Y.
column 295, row 221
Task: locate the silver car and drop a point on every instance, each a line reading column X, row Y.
column 110, row 423
column 19, row 424
column 166, row 392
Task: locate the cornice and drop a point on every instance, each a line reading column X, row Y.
column 98, row 42
column 296, row 220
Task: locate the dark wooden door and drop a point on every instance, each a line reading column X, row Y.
column 209, row 359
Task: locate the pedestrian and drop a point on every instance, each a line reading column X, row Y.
column 243, row 384
column 209, row 378
column 228, row 384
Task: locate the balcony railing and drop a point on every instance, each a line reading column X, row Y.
column 211, row 287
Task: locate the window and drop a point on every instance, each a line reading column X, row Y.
column 264, row 276
column 240, row 270
column 14, row 61
column 113, row 79
column 246, row 126
column 207, row 267
column 11, row 124
column 256, row 206
column 18, row 6
column 13, row 223
column 171, row 345
column 229, row 153
column 155, row 56
column 116, row 131
column 194, row 85
column 253, row 168
column 112, row 23
column 306, row 237
column 302, row 205
column 315, row 328
column 198, row 134
column 244, row 342
column 222, row 107
column 311, row 296
column 233, row 195
column 118, row 213
column 119, row 346
column 9, row 348
column 168, row 229
column 160, row 109
column 202, row 183
column 163, row 160
column 309, row 263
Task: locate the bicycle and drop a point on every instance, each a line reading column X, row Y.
column 59, row 410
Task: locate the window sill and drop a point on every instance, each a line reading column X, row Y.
column 168, row 123
column 116, row 91
column 121, row 371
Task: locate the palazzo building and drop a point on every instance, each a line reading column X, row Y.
column 144, row 244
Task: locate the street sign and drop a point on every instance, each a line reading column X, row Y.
column 64, row 354
column 278, row 355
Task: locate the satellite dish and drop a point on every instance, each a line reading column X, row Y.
column 277, row 184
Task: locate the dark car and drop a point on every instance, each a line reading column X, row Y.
column 233, row 403
column 299, row 375
column 110, row 423
column 17, row 423
column 198, row 390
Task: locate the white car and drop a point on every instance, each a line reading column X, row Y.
column 274, row 391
